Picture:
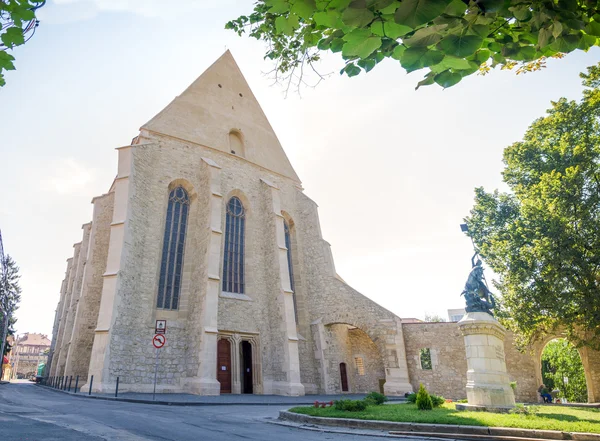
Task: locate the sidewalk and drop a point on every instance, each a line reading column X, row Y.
column 221, row 400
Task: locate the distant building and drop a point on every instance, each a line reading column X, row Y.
column 411, row 320
column 455, row 315
column 27, row 353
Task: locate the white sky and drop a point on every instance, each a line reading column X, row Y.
column 392, row 169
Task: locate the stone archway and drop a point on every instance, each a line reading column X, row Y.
column 589, row 358
column 373, row 354
column 353, row 361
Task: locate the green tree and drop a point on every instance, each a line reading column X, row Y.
column 434, row 318
column 542, row 238
column 451, row 39
column 563, row 369
column 15, row 17
column 10, row 295
column 424, row 401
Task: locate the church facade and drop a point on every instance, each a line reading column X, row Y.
column 206, row 226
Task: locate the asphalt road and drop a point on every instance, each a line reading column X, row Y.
column 30, row 412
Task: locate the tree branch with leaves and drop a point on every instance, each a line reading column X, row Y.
column 449, row 39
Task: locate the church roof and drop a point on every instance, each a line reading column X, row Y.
column 219, row 102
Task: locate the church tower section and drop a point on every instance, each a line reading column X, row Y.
column 210, row 230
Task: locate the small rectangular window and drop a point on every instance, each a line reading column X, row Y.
column 360, row 365
column 425, row 357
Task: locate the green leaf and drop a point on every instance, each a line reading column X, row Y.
column 328, row 19
column 566, row 43
column 451, row 62
column 425, row 36
column 6, row 61
column 521, row 12
column 415, row 13
column 493, row 5
column 351, row 70
column 429, row 79
column 391, row 8
column 13, row 37
column 456, row 9
column 287, row 25
column 360, row 43
column 278, row 6
column 557, row 29
column 525, row 53
column 389, row 29
column 378, row 5
column 367, row 65
column 544, row 37
column 593, row 28
column 482, row 55
column 460, row 46
column 337, row 45
column 398, row 52
column 587, row 41
column 303, row 8
column 481, row 30
column 357, row 17
column 447, row 79
column 418, row 57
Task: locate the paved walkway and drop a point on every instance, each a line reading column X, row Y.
column 226, row 399
column 29, row 412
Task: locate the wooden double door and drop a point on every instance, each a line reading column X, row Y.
column 224, row 366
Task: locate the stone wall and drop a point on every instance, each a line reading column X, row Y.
column 362, row 346
column 91, row 289
column 449, row 374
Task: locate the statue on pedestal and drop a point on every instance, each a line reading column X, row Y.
column 477, row 295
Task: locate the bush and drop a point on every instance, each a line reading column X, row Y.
column 521, row 409
column 375, row 399
column 350, row 405
column 424, row 399
column 437, row 401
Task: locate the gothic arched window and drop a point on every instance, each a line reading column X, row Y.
column 288, row 245
column 233, row 259
column 171, row 265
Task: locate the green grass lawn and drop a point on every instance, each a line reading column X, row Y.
column 568, row 419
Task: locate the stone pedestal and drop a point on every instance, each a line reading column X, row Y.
column 488, row 386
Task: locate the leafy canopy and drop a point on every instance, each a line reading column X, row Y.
column 14, row 16
column 562, row 369
column 542, row 238
column 10, row 296
column 450, row 39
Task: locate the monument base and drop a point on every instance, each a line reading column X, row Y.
column 488, row 385
column 472, row 408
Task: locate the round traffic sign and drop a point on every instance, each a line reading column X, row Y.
column 159, row 341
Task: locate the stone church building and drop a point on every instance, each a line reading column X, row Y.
column 206, row 226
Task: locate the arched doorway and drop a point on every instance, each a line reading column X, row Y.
column 589, row 358
column 224, row 365
column 563, row 371
column 353, row 360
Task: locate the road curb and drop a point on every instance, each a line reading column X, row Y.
column 172, row 403
column 441, row 430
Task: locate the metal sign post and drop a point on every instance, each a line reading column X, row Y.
column 158, row 341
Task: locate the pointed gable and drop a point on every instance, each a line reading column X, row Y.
column 219, row 110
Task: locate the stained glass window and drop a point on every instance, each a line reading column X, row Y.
column 233, row 259
column 171, row 265
column 288, row 245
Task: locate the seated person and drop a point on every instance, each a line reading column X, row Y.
column 543, row 391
